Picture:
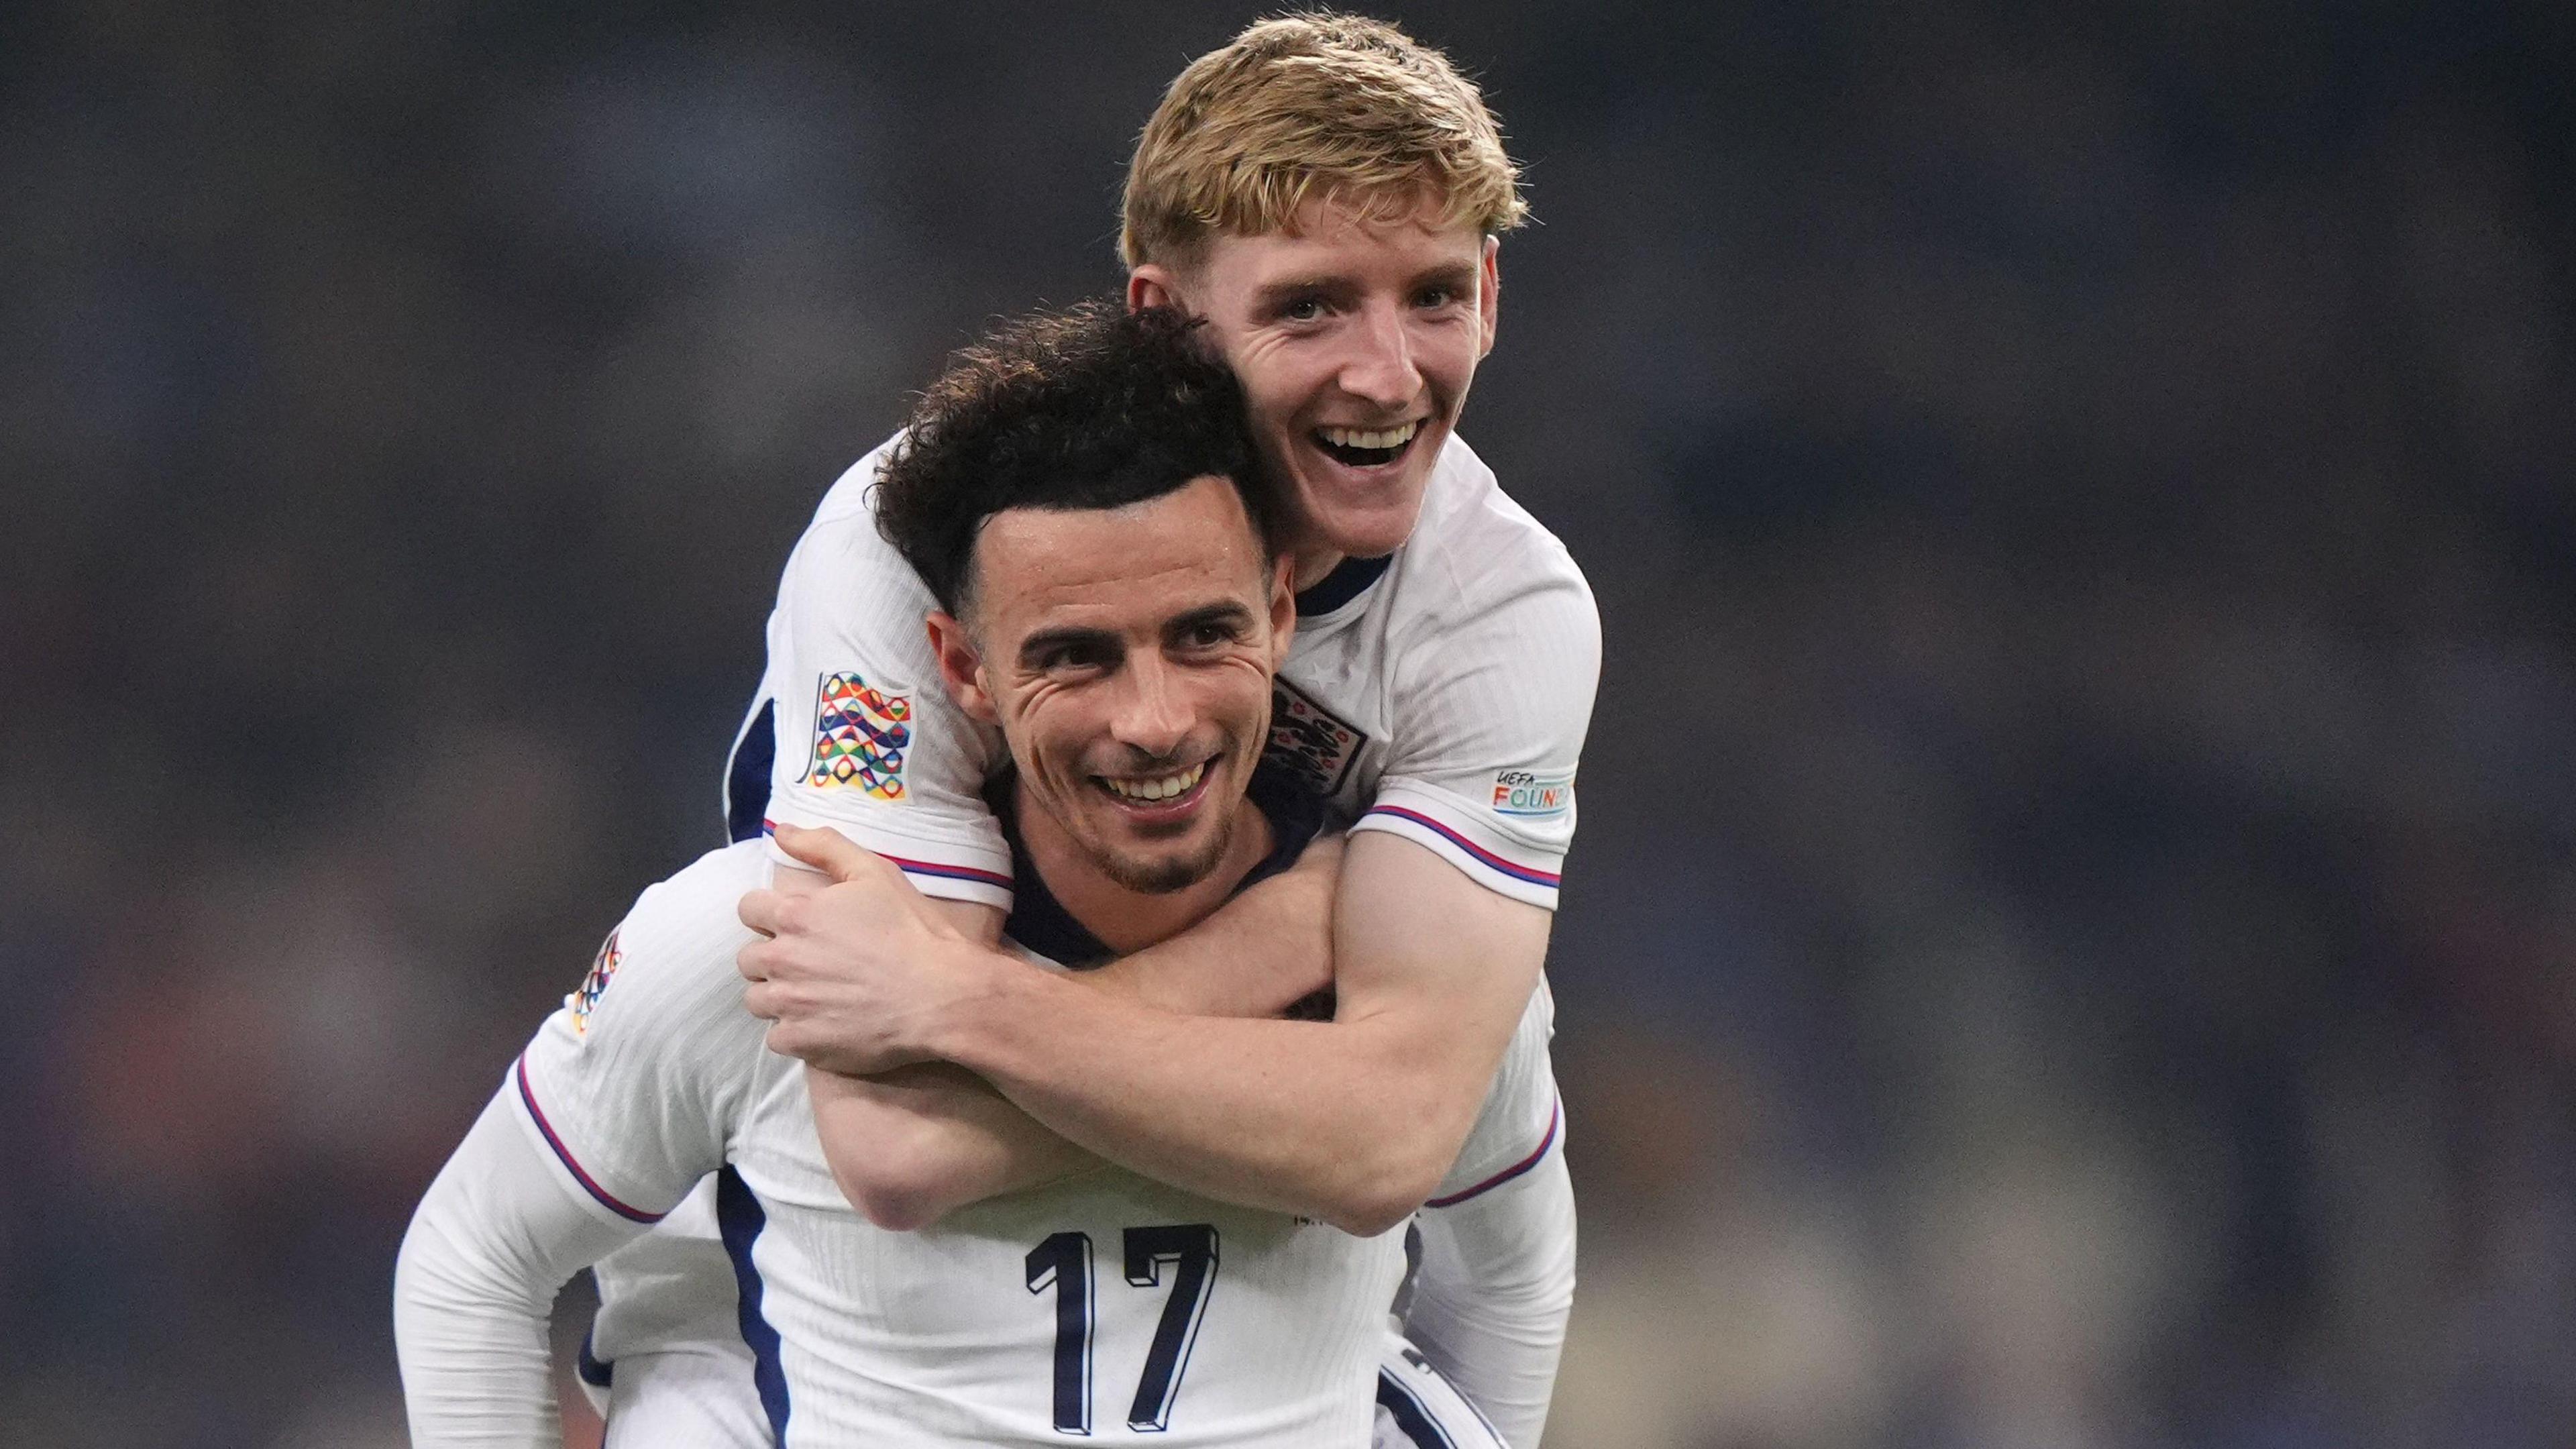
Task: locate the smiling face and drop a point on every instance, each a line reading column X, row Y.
column 1355, row 340
column 1126, row 654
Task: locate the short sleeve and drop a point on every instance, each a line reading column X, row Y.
column 632, row 1085
column 868, row 741
column 1490, row 703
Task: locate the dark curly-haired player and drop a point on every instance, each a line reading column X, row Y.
column 1079, row 493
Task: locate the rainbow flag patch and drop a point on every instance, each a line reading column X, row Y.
column 861, row 736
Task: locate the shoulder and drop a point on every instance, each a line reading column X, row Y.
column 633, row 1082
column 843, row 532
column 1476, row 550
column 1483, row 580
column 673, row 954
column 697, row 901
column 852, row 494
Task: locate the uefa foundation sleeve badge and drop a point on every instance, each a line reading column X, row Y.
column 861, row 736
column 1532, row 795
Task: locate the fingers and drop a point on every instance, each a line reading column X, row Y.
column 765, row 911
column 793, row 1039
column 830, row 852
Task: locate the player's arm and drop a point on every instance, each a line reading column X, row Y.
column 913, row 1145
column 493, row 1239
column 1441, row 920
column 1496, row 1283
column 620, row 1104
column 1352, row 1121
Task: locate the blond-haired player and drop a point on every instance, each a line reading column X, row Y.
column 1329, row 195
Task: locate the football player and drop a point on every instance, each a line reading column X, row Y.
column 1076, row 494
column 1328, row 195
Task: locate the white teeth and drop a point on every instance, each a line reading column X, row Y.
column 1159, row 787
column 1367, row 438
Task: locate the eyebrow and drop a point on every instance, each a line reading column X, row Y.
column 1226, row 613
column 1457, row 276
column 1066, row 636
column 1272, row 294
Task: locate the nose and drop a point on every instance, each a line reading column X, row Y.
column 1154, row 715
column 1380, row 367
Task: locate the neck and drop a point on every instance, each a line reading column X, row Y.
column 1314, row 562
column 1129, row 920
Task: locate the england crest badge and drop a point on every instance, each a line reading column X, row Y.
column 1309, row 740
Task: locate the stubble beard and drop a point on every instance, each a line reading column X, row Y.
column 1162, row 876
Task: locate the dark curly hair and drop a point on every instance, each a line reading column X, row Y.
column 1091, row 407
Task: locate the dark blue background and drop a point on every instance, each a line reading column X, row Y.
column 2071, row 937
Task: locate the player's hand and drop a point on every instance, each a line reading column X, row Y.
column 854, row 975
column 1270, row 946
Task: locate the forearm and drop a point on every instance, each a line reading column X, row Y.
column 910, row 1146
column 493, row 1240
column 1343, row 1121
column 1496, row 1284
column 1351, row 1121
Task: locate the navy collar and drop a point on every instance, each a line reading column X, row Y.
column 1040, row 922
column 1349, row 579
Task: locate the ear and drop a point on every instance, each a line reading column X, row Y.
column 1489, row 295
column 1283, row 609
column 1151, row 284
column 961, row 668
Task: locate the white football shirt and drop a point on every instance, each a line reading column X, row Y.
column 1440, row 693
column 1109, row 1305
column 670, row 1301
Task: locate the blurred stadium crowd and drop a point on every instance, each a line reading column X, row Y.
column 2073, row 940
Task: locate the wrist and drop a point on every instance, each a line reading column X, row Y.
column 998, row 985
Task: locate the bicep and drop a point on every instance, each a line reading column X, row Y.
column 1422, row 949
column 975, row 920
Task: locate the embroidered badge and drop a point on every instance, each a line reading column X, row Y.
column 1306, row 739
column 1530, row 795
column 587, row 995
column 860, row 737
